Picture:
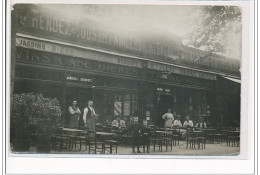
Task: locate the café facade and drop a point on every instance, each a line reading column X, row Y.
column 124, row 73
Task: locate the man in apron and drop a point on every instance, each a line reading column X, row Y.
column 89, row 116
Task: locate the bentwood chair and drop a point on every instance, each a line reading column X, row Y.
column 175, row 137
column 167, row 139
column 191, row 139
column 233, row 138
column 201, row 139
column 59, row 139
column 93, row 144
column 156, row 140
column 112, row 143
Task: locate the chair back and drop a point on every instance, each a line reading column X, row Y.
column 190, row 134
column 91, row 136
column 58, row 132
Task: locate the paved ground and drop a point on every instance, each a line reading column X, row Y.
column 211, row 149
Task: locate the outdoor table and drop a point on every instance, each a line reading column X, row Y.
column 164, row 132
column 105, row 134
column 101, row 133
column 72, row 130
column 72, row 135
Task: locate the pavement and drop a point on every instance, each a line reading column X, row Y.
column 211, row 149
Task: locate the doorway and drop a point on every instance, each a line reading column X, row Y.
column 165, row 101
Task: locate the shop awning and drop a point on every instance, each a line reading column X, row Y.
column 233, row 79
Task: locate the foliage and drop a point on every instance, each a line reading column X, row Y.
column 216, row 26
column 30, row 111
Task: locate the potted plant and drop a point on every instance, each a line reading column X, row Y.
column 35, row 111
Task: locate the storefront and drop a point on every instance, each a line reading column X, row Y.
column 122, row 76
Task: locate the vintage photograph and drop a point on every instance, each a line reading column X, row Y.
column 125, row 79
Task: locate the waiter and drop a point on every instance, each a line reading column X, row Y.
column 169, row 118
column 89, row 116
column 74, row 112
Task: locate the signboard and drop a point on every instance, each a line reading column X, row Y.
column 47, row 23
column 179, row 79
column 75, row 52
column 182, row 71
column 36, row 57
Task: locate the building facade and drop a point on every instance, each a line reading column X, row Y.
column 124, row 74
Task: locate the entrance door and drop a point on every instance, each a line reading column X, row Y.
column 165, row 102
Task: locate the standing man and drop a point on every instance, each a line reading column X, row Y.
column 74, row 112
column 89, row 116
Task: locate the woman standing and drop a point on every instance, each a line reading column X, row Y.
column 74, row 115
column 168, row 117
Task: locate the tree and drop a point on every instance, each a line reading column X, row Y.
column 218, row 26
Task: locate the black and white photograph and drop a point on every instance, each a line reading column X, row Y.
column 125, row 79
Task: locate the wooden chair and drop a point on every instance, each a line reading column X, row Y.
column 191, row 139
column 57, row 139
column 112, row 143
column 233, row 138
column 167, row 139
column 201, row 139
column 175, row 137
column 156, row 140
column 93, row 145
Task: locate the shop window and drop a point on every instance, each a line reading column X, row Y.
column 19, row 72
column 30, row 73
column 43, row 75
column 57, row 76
column 134, row 103
column 127, row 104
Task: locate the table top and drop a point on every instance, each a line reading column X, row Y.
column 105, row 133
column 72, row 130
column 163, row 131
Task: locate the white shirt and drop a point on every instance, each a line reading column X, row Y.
column 115, row 123
column 168, row 116
column 86, row 111
column 189, row 123
column 177, row 123
column 200, row 125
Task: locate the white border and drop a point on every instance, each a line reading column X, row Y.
column 201, row 164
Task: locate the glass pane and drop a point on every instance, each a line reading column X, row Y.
column 127, row 104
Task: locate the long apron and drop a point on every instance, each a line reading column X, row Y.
column 90, row 124
column 74, row 122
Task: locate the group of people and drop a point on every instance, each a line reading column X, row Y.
column 170, row 122
column 140, row 132
column 88, row 118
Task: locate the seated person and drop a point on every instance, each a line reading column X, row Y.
column 118, row 123
column 201, row 123
column 134, row 130
column 188, row 122
column 146, row 134
column 177, row 122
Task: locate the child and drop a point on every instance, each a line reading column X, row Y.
column 135, row 131
column 146, row 133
